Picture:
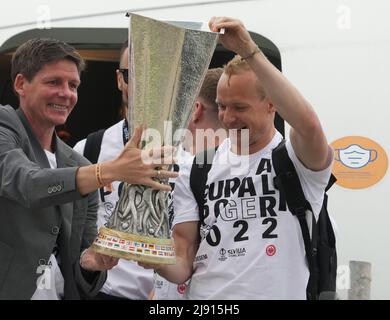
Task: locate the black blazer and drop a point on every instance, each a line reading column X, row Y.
column 40, row 207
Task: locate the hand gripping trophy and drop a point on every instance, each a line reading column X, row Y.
column 167, row 66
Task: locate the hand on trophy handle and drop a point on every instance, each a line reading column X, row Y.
column 138, row 166
column 94, row 261
column 235, row 37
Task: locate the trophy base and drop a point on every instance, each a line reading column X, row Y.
column 134, row 247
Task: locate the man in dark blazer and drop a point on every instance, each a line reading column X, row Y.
column 48, row 197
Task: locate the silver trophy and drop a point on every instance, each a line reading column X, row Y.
column 168, row 63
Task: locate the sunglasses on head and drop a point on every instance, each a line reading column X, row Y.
column 125, row 73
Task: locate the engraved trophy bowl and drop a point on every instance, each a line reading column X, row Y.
column 168, row 63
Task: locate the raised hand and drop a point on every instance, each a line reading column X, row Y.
column 235, row 38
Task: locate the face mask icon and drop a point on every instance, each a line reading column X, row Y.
column 355, row 157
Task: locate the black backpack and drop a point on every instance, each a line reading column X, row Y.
column 320, row 250
column 93, row 145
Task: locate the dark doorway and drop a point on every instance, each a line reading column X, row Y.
column 99, row 101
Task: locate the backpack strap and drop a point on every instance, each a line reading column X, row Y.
column 93, row 145
column 288, row 183
column 331, row 182
column 198, row 178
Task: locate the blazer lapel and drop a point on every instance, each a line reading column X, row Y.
column 39, row 153
column 63, row 157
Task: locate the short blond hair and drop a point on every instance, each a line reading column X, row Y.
column 208, row 91
column 238, row 65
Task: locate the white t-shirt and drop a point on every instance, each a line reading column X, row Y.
column 50, row 284
column 252, row 246
column 127, row 279
column 163, row 289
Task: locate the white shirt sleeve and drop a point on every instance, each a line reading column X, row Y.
column 184, row 204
